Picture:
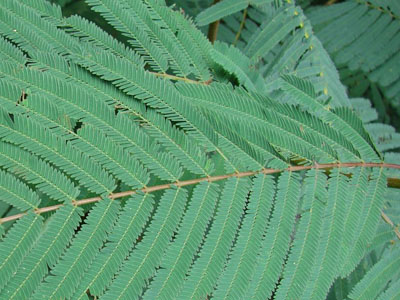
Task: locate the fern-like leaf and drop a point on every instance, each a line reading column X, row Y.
column 35, row 171
column 392, row 293
column 220, row 10
column 276, row 242
column 73, row 265
column 272, row 33
column 129, row 225
column 46, row 252
column 177, row 259
column 207, row 268
column 16, row 193
column 302, row 254
column 242, row 169
column 119, row 162
column 327, row 261
column 356, row 200
column 15, row 246
column 370, row 216
column 237, row 275
column 120, row 17
column 11, row 53
column 303, row 95
column 378, row 276
column 30, row 135
column 149, row 252
column 235, row 62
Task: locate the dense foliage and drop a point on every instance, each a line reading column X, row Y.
column 140, row 159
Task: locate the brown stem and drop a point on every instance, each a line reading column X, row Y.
column 209, row 179
column 213, row 28
column 393, row 183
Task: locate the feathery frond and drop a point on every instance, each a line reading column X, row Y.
column 235, row 169
column 371, row 48
column 79, row 256
column 275, row 244
column 17, row 245
column 48, row 248
column 378, row 276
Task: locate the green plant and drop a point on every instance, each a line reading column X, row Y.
column 367, row 56
column 158, row 165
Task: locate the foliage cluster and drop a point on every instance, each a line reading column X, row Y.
column 141, row 160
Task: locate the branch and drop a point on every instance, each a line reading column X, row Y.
column 213, row 28
column 210, row 179
column 393, row 183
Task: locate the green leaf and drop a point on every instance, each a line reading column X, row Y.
column 392, row 292
column 17, row 244
column 342, row 119
column 208, row 267
column 377, row 277
column 236, row 277
column 66, row 275
column 129, row 226
column 327, row 258
column 302, row 254
column 35, row 171
column 179, row 255
column 220, row 10
column 45, row 253
column 235, row 62
column 275, row 244
column 16, row 193
column 149, row 252
column 369, row 218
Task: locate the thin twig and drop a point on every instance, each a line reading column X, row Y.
column 240, row 27
column 209, row 179
column 213, row 28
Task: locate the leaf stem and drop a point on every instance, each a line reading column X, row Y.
column 213, row 179
column 240, row 27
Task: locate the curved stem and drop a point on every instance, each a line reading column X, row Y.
column 212, row 179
